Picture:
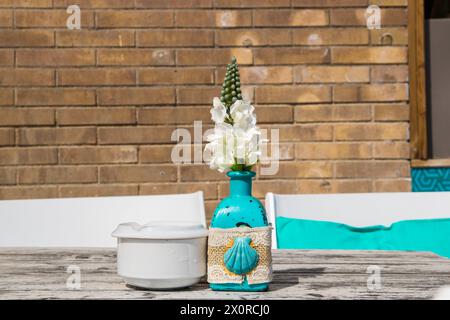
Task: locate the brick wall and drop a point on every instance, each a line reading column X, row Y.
column 91, row 112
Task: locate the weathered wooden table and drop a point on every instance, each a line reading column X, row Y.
column 52, row 274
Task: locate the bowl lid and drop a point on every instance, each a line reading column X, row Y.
column 160, row 230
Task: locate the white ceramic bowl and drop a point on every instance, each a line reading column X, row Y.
column 161, row 255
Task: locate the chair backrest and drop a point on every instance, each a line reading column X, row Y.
column 358, row 209
column 88, row 222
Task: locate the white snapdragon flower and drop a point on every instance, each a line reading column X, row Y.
column 218, row 112
column 236, row 138
column 247, row 145
column 221, row 147
column 242, row 113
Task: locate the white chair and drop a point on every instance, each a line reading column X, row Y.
column 358, row 209
column 88, row 222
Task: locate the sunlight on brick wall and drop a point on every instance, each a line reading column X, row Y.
column 90, row 112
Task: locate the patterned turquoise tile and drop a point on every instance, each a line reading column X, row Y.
column 430, row 179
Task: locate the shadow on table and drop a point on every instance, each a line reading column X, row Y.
column 281, row 279
column 290, row 277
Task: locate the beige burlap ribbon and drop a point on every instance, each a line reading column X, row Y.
column 220, row 240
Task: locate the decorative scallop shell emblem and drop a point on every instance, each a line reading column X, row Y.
column 241, row 258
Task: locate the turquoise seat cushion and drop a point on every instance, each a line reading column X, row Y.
column 417, row 235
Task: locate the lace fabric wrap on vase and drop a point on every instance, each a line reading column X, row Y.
column 220, row 240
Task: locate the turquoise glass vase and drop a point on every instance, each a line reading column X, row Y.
column 240, row 209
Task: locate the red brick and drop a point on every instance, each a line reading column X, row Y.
column 332, row 150
column 261, row 75
column 7, row 137
column 291, row 55
column 6, row 57
column 389, row 73
column 253, row 37
column 216, row 18
column 56, row 136
column 331, row 74
column 173, row 115
column 200, row 173
column 251, row 3
column 26, row 156
column 96, row 77
column 60, row 174
column 376, row 169
column 391, row 150
column 330, row 113
column 330, row 36
column 207, row 57
column 26, row 77
column 357, row 17
column 171, row 4
column 389, row 36
column 27, row 192
column 261, row 187
column 55, row 57
column 95, row 4
column 26, row 38
column 135, row 135
column 320, row 132
column 209, row 189
column 175, row 38
column 134, row 19
column 99, row 116
column 135, row 57
column 26, row 117
column 26, row 3
column 312, row 186
column 6, row 18
column 143, row 173
column 286, row 151
column 274, row 114
column 96, row 155
column 297, row 18
column 176, row 76
column 7, row 176
column 393, row 185
column 136, row 96
column 389, row 3
column 6, row 97
column 197, row 95
column 372, row 92
column 155, row 154
column 371, row 131
column 97, row 190
column 55, row 96
column 292, row 94
column 391, row 112
column 365, row 55
column 350, row 186
column 329, row 3
column 49, row 19
column 304, row 169
column 98, row 38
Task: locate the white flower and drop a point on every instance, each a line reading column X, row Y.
column 218, row 112
column 246, row 145
column 242, row 114
column 236, row 143
column 221, row 146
